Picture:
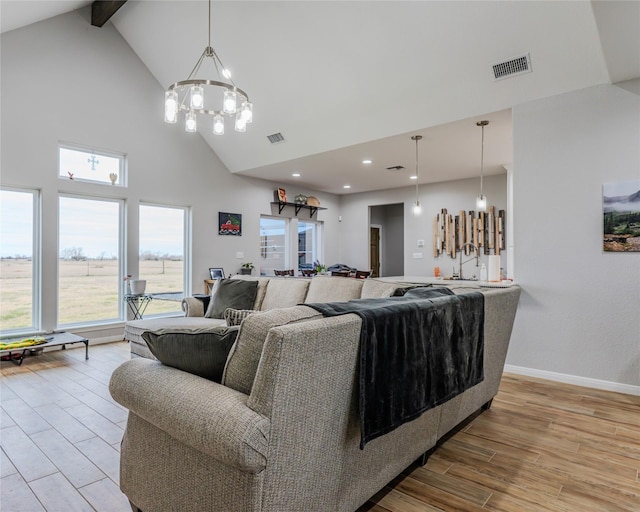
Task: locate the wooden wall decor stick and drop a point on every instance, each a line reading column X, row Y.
column 469, row 228
column 447, row 237
column 454, row 232
column 503, row 228
column 462, row 231
column 436, row 251
column 490, row 228
column 496, row 231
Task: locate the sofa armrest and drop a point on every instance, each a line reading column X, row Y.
column 193, row 306
column 200, row 413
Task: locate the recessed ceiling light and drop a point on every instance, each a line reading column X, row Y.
column 366, row 162
column 346, row 186
column 296, row 175
column 413, row 177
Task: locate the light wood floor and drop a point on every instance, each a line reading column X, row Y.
column 543, row 446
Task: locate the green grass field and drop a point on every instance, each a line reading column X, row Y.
column 88, row 290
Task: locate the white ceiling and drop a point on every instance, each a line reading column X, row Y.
column 344, row 81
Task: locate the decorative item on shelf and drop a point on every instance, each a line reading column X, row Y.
column 485, row 230
column 280, row 195
column 319, row 267
column 417, row 209
column 481, row 200
column 247, row 268
column 113, row 177
column 300, row 199
column 138, row 286
column 229, row 223
column 313, row 201
column 189, row 96
column 70, row 175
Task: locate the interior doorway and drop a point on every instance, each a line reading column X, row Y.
column 374, row 250
column 386, row 222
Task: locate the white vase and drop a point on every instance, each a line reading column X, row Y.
column 138, row 286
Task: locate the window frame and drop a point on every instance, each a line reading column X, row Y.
column 36, row 261
column 122, row 251
column 122, row 166
column 186, row 250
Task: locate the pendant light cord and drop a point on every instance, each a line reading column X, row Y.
column 482, row 161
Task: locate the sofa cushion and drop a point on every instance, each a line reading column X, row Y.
column 333, row 289
column 245, row 354
column 133, row 329
column 232, row 293
column 375, row 289
column 284, row 292
column 236, row 316
column 202, row 352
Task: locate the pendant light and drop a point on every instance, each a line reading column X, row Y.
column 417, row 209
column 481, row 200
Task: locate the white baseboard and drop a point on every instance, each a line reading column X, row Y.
column 586, row 382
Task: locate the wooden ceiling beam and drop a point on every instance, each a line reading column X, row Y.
column 102, row 10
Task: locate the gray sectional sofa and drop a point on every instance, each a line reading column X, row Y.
column 280, row 432
column 272, row 293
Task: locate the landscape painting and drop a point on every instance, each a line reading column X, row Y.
column 621, row 209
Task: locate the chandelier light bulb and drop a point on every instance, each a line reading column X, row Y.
column 197, row 97
column 417, row 209
column 190, row 123
column 218, row 124
column 247, row 111
column 170, row 107
column 481, row 203
column 241, row 124
column 229, row 102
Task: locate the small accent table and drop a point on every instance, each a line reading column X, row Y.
column 16, row 356
column 137, row 304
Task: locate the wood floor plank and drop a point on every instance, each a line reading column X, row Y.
column 105, row 496
column 64, row 423
column 6, row 468
column 24, row 416
column 109, row 431
column 25, row 455
column 17, row 496
column 57, row 494
column 102, row 455
column 77, row 468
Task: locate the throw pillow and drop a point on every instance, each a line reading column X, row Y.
column 202, row 352
column 236, row 316
column 232, row 293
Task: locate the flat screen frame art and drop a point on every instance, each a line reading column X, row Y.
column 229, row 223
column 621, row 216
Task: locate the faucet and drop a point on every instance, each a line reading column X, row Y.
column 477, row 257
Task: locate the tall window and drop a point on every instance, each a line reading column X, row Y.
column 18, row 262
column 309, row 244
column 89, row 260
column 162, row 256
column 274, row 253
column 85, row 164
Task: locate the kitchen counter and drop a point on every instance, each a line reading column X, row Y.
column 446, row 282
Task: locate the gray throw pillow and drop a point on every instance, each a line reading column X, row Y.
column 232, row 293
column 236, row 316
column 202, row 353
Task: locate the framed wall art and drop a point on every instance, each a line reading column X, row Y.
column 229, row 223
column 621, row 216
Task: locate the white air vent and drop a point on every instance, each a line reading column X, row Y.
column 276, row 138
column 512, row 67
column 395, row 168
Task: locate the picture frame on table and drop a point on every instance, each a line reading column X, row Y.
column 216, row 273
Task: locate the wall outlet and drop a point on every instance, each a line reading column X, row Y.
column 420, row 243
column 417, row 255
column 239, row 255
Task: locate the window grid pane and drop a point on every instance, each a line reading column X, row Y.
column 87, row 165
column 17, row 263
column 89, row 264
column 273, row 245
column 161, row 263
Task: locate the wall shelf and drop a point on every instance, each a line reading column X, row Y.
column 298, row 206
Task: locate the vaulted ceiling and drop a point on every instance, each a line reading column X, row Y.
column 347, row 81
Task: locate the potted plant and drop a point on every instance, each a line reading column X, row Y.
column 319, row 267
column 247, row 268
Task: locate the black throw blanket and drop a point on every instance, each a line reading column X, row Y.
column 416, row 352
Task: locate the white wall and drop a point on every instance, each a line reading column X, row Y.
column 580, row 308
column 453, row 195
column 64, row 80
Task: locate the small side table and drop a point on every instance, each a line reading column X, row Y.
column 137, row 304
